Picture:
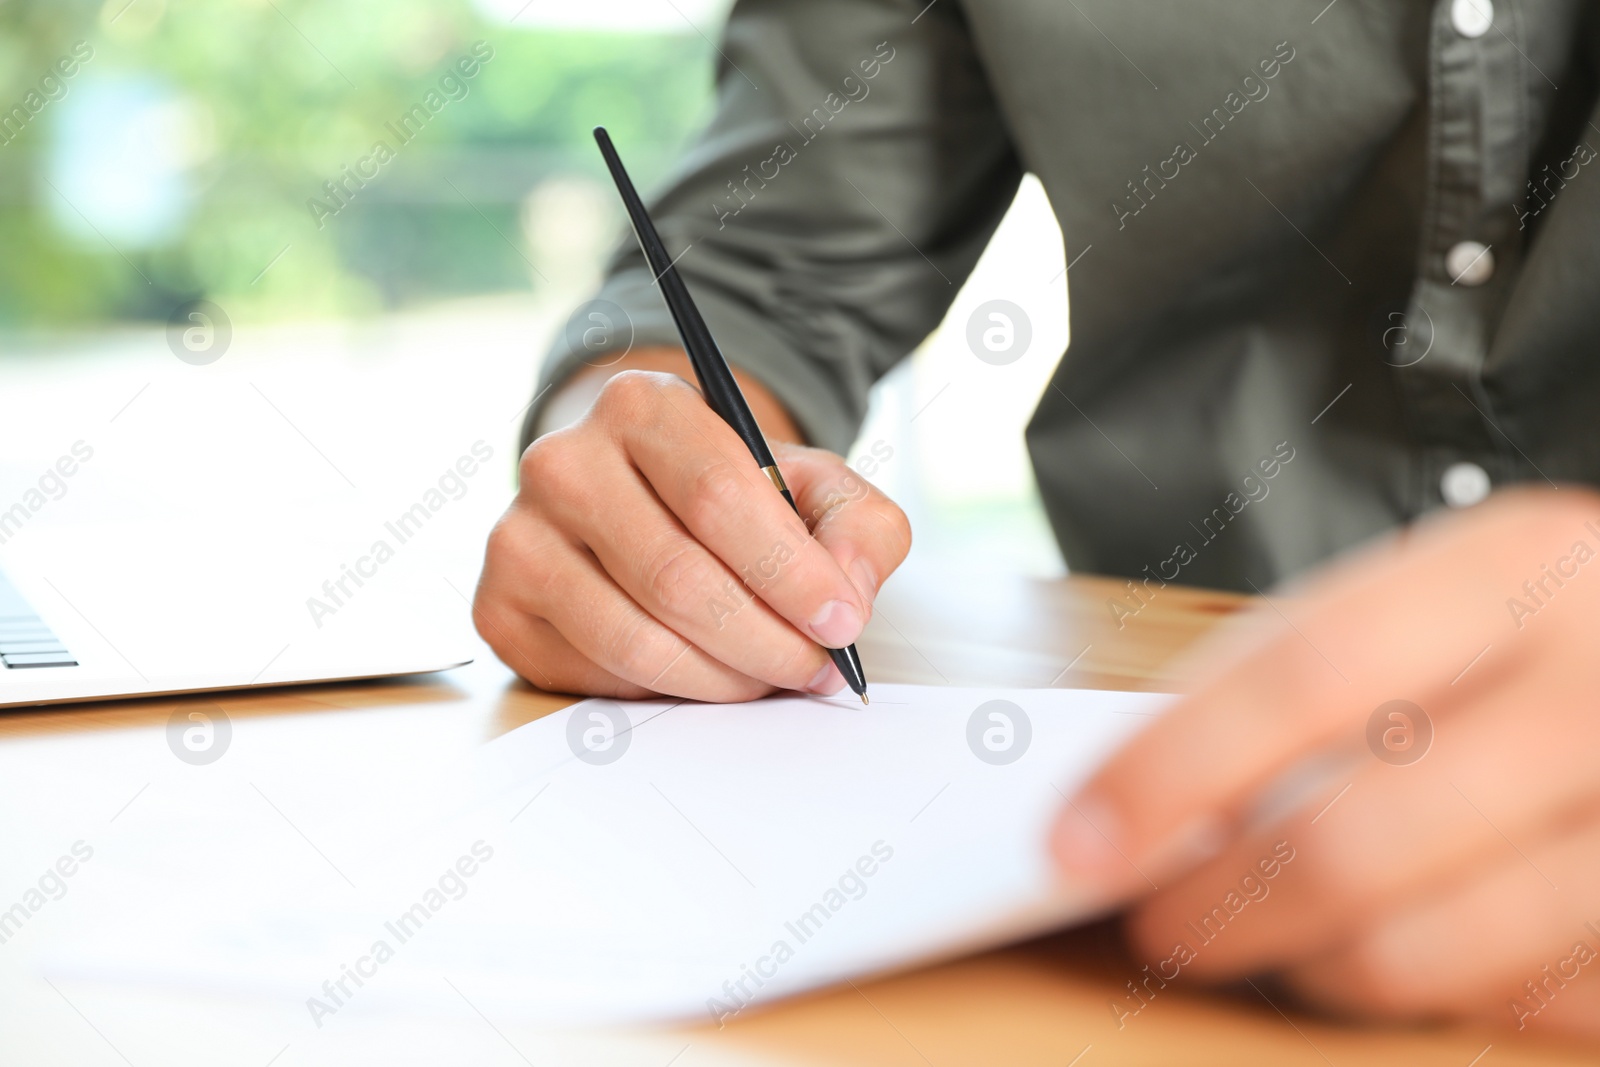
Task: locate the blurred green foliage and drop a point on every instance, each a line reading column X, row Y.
column 275, row 97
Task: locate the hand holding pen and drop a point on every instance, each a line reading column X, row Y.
column 716, row 379
column 646, row 552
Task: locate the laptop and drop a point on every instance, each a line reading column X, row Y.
column 107, row 611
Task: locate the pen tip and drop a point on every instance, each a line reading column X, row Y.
column 864, row 699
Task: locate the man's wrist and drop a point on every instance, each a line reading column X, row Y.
column 577, row 394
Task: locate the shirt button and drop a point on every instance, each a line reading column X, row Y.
column 1464, row 484
column 1469, row 263
column 1472, row 18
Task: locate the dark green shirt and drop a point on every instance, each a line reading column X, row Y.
column 1332, row 265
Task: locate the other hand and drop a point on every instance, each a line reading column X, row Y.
column 1459, row 878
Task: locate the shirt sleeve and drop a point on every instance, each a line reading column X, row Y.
column 854, row 169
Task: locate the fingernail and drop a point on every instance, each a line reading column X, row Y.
column 827, row 682
column 837, row 624
column 866, row 578
column 1087, row 840
column 1193, row 843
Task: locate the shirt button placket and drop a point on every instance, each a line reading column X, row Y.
column 1475, row 169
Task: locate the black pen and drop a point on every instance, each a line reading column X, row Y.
column 716, row 379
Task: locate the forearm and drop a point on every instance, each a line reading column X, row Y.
column 577, row 394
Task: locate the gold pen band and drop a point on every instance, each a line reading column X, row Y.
column 777, row 478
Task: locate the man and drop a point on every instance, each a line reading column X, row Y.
column 1348, row 247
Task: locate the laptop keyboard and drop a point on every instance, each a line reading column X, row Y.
column 25, row 640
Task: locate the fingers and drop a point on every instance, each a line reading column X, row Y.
column 535, row 572
column 537, row 651
column 862, row 529
column 1400, row 622
column 663, row 569
column 1509, row 947
column 705, row 476
column 1388, row 835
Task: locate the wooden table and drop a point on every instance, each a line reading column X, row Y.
column 1046, row 1002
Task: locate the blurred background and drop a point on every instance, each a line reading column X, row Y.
column 158, row 152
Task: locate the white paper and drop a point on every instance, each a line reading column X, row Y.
column 698, row 860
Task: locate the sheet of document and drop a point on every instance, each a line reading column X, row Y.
column 630, row 862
